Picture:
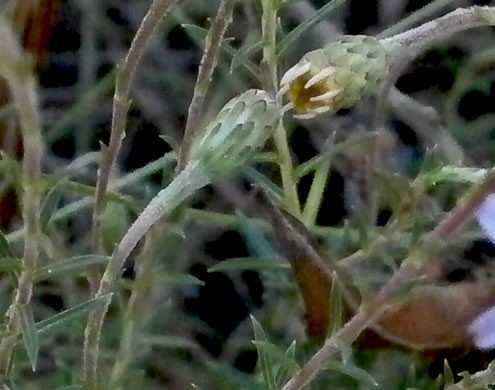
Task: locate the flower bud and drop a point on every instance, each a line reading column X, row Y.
column 336, row 76
column 239, row 130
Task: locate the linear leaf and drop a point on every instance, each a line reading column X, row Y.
column 299, row 31
column 29, row 334
column 51, row 203
column 243, row 54
column 354, row 372
column 179, row 279
column 251, row 264
column 173, row 342
column 198, row 34
column 283, row 373
column 69, row 314
column 72, row 265
column 235, row 377
column 278, row 355
column 5, row 249
column 265, row 360
column 9, row 264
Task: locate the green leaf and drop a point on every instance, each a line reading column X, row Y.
column 448, row 375
column 70, row 387
column 5, row 249
column 179, row 279
column 8, row 264
column 283, row 374
column 300, row 30
column 29, row 334
column 172, row 342
column 451, row 174
column 51, row 203
column 354, row 372
column 264, row 358
column 251, row 264
column 287, row 363
column 62, row 318
column 243, row 54
column 198, row 34
column 74, row 265
column 235, row 377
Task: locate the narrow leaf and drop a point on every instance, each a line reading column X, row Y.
column 62, row 318
column 74, row 265
column 278, row 355
column 448, row 375
column 179, row 279
column 29, row 334
column 235, row 377
column 283, row 374
column 300, row 30
column 5, row 249
column 51, row 203
column 173, row 342
column 354, row 372
column 251, row 264
column 9, row 264
column 243, row 54
column 264, row 359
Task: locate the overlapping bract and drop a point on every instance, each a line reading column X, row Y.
column 335, row 77
column 239, row 130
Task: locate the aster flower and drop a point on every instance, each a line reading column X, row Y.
column 334, row 77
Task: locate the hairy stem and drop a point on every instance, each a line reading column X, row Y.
column 185, row 184
column 420, row 38
column 156, row 13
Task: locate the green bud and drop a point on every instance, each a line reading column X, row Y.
column 239, row 130
column 336, row 76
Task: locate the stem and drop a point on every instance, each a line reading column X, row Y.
column 213, row 44
column 136, row 307
column 420, row 38
column 291, row 198
column 156, row 13
column 270, row 83
column 22, row 84
column 185, row 184
column 315, row 196
column 406, row 273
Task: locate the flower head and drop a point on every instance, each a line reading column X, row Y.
column 335, row 77
column 239, row 130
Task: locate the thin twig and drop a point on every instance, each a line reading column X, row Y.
column 15, row 68
column 213, row 44
column 125, row 74
column 406, row 273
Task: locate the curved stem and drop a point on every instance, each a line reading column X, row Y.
column 125, row 74
column 185, row 184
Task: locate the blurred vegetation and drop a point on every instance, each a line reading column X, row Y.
column 207, row 300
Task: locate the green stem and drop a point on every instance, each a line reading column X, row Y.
column 185, row 184
column 315, row 196
column 270, row 81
